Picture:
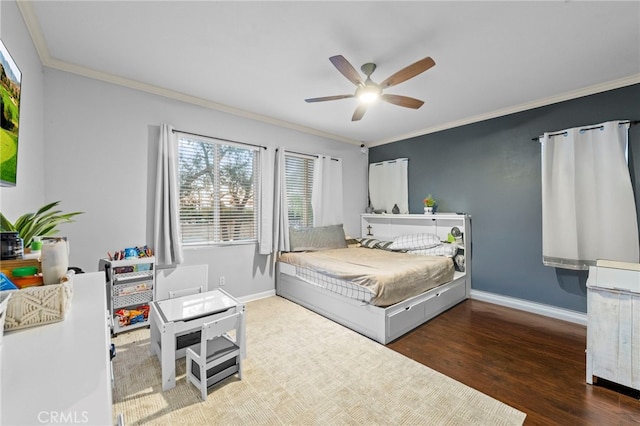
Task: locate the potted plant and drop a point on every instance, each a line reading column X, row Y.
column 42, row 223
column 429, row 204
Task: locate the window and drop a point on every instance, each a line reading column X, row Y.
column 299, row 176
column 219, row 196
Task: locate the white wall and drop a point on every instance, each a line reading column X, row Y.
column 100, row 158
column 28, row 194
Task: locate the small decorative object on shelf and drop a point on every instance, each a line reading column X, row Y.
column 429, row 204
column 395, row 209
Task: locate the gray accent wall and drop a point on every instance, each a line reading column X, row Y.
column 491, row 170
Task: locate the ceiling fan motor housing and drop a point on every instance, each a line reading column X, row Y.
column 368, row 68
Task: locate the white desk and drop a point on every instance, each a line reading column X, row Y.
column 181, row 316
column 60, row 373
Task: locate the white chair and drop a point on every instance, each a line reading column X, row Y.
column 186, row 292
column 217, row 356
column 180, row 281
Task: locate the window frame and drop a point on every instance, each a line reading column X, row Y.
column 212, row 232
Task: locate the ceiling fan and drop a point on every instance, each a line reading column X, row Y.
column 368, row 91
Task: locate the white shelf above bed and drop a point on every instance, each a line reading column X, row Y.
column 387, row 226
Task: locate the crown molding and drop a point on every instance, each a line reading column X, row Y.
column 33, row 26
column 590, row 90
column 179, row 96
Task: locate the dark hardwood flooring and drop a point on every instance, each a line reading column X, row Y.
column 533, row 363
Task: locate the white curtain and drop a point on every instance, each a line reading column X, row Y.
column 326, row 195
column 588, row 208
column 166, row 225
column 280, row 208
column 267, row 187
column 389, row 185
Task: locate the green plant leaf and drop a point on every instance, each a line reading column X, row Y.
column 5, row 224
column 47, row 207
column 44, row 222
column 23, row 220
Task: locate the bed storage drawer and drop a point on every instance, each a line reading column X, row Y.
column 446, row 297
column 424, row 307
column 401, row 321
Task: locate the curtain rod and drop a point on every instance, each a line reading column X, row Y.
column 308, row 155
column 631, row 123
column 380, row 163
column 220, row 139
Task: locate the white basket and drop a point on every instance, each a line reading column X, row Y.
column 4, row 303
column 34, row 306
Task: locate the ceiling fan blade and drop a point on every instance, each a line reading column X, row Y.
column 403, row 101
column 346, row 69
column 329, row 98
column 359, row 112
column 408, row 72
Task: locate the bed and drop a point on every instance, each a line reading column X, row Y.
column 356, row 286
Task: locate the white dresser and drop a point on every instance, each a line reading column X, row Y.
column 60, row 373
column 613, row 323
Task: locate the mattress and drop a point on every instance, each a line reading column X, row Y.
column 389, row 277
column 332, row 284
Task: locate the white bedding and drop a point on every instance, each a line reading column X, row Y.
column 390, row 276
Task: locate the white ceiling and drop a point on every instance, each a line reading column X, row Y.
column 262, row 59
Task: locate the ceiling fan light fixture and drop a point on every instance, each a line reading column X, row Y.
column 368, row 93
column 368, row 97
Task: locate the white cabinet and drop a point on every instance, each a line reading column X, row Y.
column 130, row 285
column 613, row 323
column 60, row 373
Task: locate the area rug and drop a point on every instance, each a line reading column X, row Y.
column 301, row 369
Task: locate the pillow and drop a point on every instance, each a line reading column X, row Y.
column 373, row 243
column 447, row 250
column 317, row 238
column 415, row 242
column 384, row 245
column 353, row 242
column 369, row 243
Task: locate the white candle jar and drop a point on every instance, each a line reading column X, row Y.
column 55, row 260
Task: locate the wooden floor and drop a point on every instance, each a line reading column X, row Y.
column 533, row 363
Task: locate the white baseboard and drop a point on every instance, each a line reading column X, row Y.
column 533, row 307
column 257, row 296
column 510, row 302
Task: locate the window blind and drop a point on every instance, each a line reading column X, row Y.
column 218, row 191
column 299, row 177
